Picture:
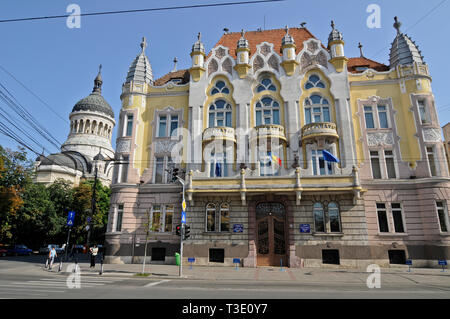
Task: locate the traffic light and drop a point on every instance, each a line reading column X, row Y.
column 187, row 230
column 178, row 230
column 175, row 174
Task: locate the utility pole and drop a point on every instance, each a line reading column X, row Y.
column 92, row 208
column 175, row 177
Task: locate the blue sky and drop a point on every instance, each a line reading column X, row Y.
column 59, row 64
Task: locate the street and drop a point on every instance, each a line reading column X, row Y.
column 25, row 277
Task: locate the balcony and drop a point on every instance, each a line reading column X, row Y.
column 218, row 134
column 323, row 130
column 268, row 132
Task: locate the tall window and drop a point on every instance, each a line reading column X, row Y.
column 219, row 165
column 168, row 217
column 129, row 130
column 422, row 111
column 319, row 165
column 156, row 218
column 390, row 166
column 266, row 84
column 124, row 168
column 382, row 116
column 368, row 115
column 333, row 214
column 159, row 170
column 162, row 218
column 167, row 124
column 267, row 112
column 397, row 217
column 211, row 217
column 443, row 216
column 379, row 113
column 162, row 128
column 224, row 217
column 220, row 114
column 319, row 218
column 173, row 123
column 375, row 162
column 162, row 164
column 220, row 87
column 314, row 81
column 269, row 164
column 119, row 217
column 317, row 110
column 382, row 218
column 431, row 161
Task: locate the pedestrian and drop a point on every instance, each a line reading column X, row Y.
column 51, row 256
column 94, row 252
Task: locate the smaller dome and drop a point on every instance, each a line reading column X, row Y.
column 198, row 46
column 243, row 42
column 335, row 34
column 287, row 39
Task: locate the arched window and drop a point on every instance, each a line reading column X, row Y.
column 314, row 81
column 220, row 87
column 224, row 217
column 266, row 84
column 333, row 215
column 211, row 217
column 220, row 114
column 317, row 109
column 319, row 218
column 267, row 112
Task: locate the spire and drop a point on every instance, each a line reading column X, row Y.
column 360, row 46
column 242, row 43
column 397, row 25
column 140, row 70
column 335, row 35
column 143, row 44
column 98, row 81
column 198, row 46
column 175, row 60
column 404, row 51
column 287, row 39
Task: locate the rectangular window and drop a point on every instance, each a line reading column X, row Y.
column 307, row 115
column 369, row 117
column 159, row 170
column 382, row 218
column 124, row 173
column 216, row 255
column 397, row 257
column 422, row 111
column 333, row 214
column 431, row 162
column 224, row 218
column 158, row 254
column 162, row 129
column 168, row 218
column 443, row 217
column 276, row 117
column 119, row 217
column 258, row 118
column 397, row 217
column 156, row 219
column 382, row 116
column 211, row 218
column 375, row 161
column 320, row 166
column 173, row 123
column 390, row 166
column 228, row 119
column 129, row 130
column 326, row 114
column 330, row 256
column 319, row 220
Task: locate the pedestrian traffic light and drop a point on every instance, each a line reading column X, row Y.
column 187, row 230
column 175, row 174
column 178, row 230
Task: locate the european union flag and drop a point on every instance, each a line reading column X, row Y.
column 327, row 156
column 218, row 170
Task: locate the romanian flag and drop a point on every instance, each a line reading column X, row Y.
column 275, row 158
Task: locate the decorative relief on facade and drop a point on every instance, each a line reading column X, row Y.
column 265, row 49
column 258, row 63
column 123, row 146
column 220, row 53
column 212, row 67
column 273, row 62
column 312, row 46
column 227, row 66
column 432, row 135
column 164, row 146
column 308, row 59
column 375, row 139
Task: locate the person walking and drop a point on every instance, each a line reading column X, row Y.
column 94, row 252
column 51, row 256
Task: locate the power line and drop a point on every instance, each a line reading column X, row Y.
column 141, row 10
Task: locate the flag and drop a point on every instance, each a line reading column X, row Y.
column 218, row 170
column 275, row 158
column 327, row 156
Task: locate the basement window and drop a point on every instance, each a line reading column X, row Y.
column 330, row 256
column 216, row 255
column 158, row 254
column 397, row 257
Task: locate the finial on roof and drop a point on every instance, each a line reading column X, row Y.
column 397, row 25
column 332, row 24
column 286, row 28
column 98, row 81
column 175, row 60
column 302, row 24
column 199, row 36
column 242, row 32
column 143, row 44
column 360, row 46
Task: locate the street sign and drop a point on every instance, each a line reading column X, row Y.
column 183, row 205
column 191, row 260
column 236, row 260
column 409, row 262
column 70, row 218
column 238, row 228
column 305, row 228
column 183, row 217
column 443, row 262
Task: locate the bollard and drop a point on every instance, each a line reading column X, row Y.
column 281, row 263
column 101, row 267
column 76, row 265
column 60, row 265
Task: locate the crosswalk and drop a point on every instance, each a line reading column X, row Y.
column 46, row 287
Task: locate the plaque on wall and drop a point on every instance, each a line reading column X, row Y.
column 238, row 228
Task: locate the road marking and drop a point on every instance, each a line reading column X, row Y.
column 60, row 282
column 156, row 283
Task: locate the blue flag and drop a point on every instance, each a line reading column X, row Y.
column 327, row 156
column 218, row 170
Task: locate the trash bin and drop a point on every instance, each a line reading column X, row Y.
column 177, row 259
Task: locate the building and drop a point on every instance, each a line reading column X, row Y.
column 248, row 125
column 446, row 130
column 88, row 145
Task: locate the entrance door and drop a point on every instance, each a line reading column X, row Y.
column 271, row 234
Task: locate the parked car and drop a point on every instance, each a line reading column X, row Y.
column 3, row 251
column 17, row 250
column 46, row 249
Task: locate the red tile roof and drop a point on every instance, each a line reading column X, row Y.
column 181, row 74
column 353, row 63
column 274, row 36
